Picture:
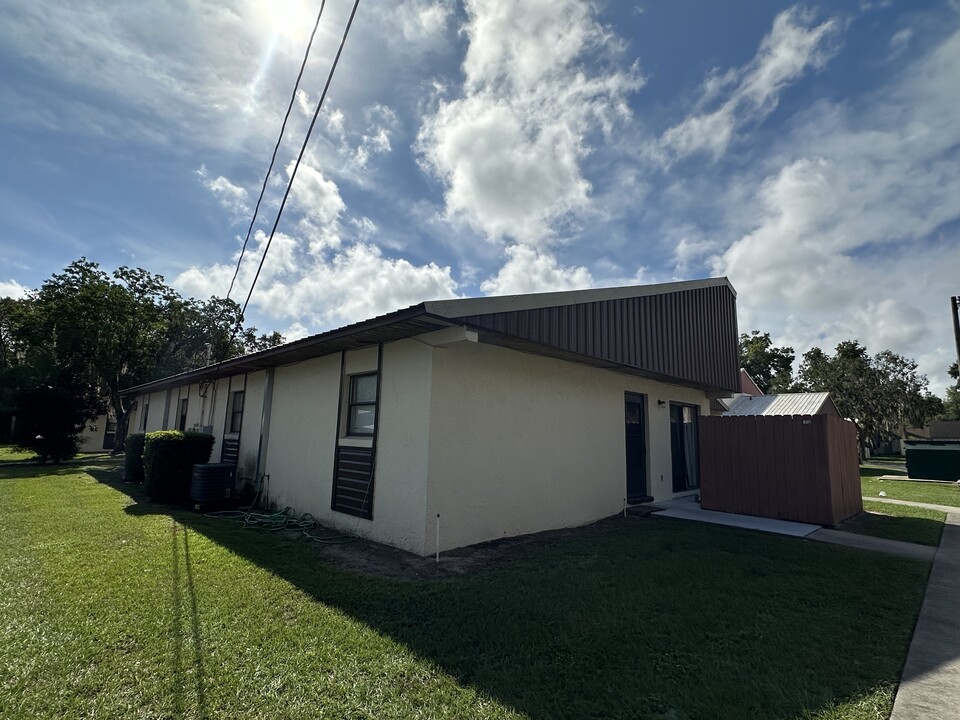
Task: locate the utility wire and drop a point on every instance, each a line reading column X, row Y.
column 273, row 158
column 303, row 149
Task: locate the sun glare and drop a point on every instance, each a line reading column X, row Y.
column 289, row 19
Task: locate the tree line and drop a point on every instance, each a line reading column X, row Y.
column 883, row 394
column 69, row 348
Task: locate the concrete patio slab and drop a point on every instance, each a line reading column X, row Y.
column 689, row 509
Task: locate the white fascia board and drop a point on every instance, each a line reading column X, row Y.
column 533, row 301
column 448, row 336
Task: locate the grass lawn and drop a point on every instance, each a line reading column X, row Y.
column 898, row 522
column 936, row 493
column 113, row 609
column 8, row 453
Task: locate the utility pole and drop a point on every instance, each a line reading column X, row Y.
column 955, row 312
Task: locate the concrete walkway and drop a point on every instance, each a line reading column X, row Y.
column 877, row 544
column 930, row 506
column 930, row 686
column 687, row 508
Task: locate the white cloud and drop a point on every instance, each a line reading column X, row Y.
column 315, row 195
column 295, row 331
column 793, row 45
column 900, row 41
column 382, row 122
column 318, row 200
column 423, row 23
column 232, row 197
column 529, row 270
column 321, row 290
column 861, row 212
column 13, row 289
column 509, row 149
column 355, row 284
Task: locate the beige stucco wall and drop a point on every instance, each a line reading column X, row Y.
column 303, row 438
column 154, row 416
column 400, row 483
column 299, row 458
column 521, row 443
column 91, row 439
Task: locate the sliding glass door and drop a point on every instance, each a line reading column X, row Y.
column 683, row 446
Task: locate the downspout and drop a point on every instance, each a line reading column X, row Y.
column 264, row 427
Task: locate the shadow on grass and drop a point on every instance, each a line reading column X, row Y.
column 33, row 470
column 649, row 618
column 923, row 531
column 185, row 626
column 187, row 657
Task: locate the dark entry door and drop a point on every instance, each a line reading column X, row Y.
column 636, row 442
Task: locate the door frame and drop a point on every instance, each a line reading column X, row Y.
column 641, row 400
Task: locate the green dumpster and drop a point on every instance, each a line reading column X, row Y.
column 933, row 459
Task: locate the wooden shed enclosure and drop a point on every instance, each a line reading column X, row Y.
column 802, row 468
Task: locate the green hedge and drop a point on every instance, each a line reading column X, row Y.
column 133, row 458
column 168, row 460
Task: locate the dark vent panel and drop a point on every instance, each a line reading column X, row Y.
column 353, row 482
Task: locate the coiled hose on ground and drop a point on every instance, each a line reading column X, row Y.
column 284, row 520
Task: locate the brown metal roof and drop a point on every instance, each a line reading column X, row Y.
column 682, row 332
column 685, row 334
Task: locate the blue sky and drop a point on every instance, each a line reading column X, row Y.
column 808, row 152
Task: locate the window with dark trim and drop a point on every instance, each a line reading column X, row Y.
column 362, row 406
column 236, row 411
column 182, row 422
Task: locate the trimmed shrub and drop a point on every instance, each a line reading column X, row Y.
column 133, row 458
column 168, row 460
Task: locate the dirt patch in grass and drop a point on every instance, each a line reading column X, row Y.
column 376, row 559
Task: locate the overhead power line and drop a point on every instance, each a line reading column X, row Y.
column 222, row 355
column 273, row 158
column 303, row 148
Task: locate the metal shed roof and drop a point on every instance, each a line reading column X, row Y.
column 784, row 404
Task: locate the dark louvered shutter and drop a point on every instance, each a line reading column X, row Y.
column 353, row 482
column 230, row 450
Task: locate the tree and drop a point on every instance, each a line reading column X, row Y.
column 951, row 404
column 882, row 394
column 50, row 418
column 770, row 367
column 116, row 331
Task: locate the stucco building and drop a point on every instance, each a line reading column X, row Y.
column 502, row 415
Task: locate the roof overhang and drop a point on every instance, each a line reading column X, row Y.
column 461, row 307
column 386, row 328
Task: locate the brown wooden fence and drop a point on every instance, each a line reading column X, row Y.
column 802, row 468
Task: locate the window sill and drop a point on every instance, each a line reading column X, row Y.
column 365, row 441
